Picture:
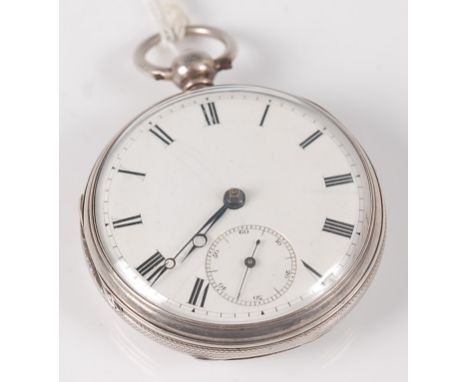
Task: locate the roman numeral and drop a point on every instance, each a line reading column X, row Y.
column 309, row 268
column 336, row 180
column 131, row 172
column 197, row 297
column 210, row 113
column 161, row 134
column 132, row 220
column 306, row 142
column 264, row 114
column 152, row 268
column 338, row 228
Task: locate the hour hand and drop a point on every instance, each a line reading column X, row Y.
column 233, row 199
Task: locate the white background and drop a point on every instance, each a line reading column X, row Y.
column 348, row 56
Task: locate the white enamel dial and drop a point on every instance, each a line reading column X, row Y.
column 179, row 186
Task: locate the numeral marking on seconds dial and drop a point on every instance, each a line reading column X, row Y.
column 197, row 297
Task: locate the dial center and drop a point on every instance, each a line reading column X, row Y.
column 250, row 262
column 234, row 198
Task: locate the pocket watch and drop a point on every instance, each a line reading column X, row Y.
column 231, row 221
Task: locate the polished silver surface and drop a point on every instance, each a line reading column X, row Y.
column 191, row 69
column 218, row 341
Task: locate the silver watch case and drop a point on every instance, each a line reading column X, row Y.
column 234, row 341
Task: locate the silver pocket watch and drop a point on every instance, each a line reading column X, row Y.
column 231, row 221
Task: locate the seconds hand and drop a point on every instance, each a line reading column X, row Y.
column 249, row 263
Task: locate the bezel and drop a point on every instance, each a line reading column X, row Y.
column 230, row 341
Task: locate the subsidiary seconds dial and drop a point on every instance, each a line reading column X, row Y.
column 251, row 265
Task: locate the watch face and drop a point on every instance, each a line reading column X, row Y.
column 232, row 205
